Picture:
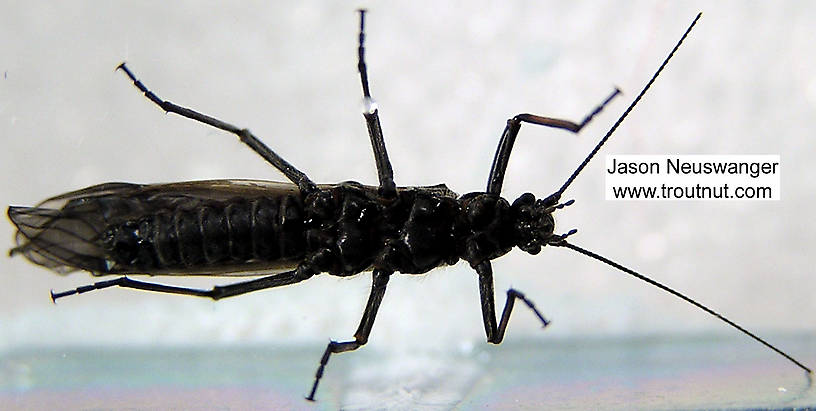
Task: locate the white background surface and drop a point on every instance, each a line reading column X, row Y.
column 446, row 78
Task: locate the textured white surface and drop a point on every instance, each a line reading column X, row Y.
column 446, row 78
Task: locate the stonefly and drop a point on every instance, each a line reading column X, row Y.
column 288, row 232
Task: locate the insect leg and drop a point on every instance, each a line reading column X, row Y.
column 508, row 138
column 293, row 174
column 216, row 293
column 380, row 280
column 495, row 333
column 388, row 188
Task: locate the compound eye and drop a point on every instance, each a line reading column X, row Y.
column 546, row 226
column 533, row 248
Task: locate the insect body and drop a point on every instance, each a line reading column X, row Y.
column 225, row 227
column 293, row 231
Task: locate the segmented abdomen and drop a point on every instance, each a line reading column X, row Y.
column 212, row 234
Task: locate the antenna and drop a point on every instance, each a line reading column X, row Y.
column 562, row 242
column 600, row 144
column 678, row 294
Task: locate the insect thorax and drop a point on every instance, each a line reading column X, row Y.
column 352, row 229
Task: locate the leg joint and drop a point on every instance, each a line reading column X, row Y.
column 512, row 292
column 217, row 293
column 245, row 135
column 361, row 339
